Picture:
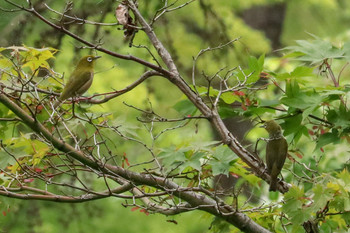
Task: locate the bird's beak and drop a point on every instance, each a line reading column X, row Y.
column 97, row 57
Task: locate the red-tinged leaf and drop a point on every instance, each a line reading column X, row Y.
column 239, row 93
column 323, row 131
column 126, row 161
column 40, row 107
column 314, row 127
column 248, row 102
column 244, row 107
column 311, row 132
column 124, row 154
column 37, row 170
column 144, row 211
column 28, row 180
column 8, row 210
column 123, row 164
column 4, row 213
column 322, row 149
column 299, row 155
column 135, row 208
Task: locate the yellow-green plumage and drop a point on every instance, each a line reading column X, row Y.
column 80, row 80
column 276, row 151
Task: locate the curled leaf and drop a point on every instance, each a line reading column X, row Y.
column 122, row 14
column 124, row 18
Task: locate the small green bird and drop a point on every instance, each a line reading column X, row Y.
column 276, row 151
column 80, row 80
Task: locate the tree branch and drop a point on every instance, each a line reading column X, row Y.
column 78, row 38
column 194, row 199
column 115, row 94
column 254, row 162
column 47, row 196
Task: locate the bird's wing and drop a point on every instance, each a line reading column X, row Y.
column 283, row 151
column 270, row 155
column 75, row 83
column 276, row 153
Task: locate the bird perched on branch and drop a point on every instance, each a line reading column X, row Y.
column 276, row 151
column 80, row 80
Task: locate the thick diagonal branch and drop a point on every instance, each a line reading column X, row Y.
column 195, row 200
column 212, row 114
column 173, row 75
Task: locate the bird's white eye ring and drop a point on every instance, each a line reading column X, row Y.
column 89, row 59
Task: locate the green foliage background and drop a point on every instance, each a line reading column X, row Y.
column 185, row 32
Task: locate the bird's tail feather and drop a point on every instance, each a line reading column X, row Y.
column 273, row 184
column 273, row 175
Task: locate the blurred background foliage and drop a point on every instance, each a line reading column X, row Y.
column 264, row 27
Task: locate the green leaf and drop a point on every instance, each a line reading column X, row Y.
column 316, row 51
column 261, row 62
column 292, row 88
column 252, row 74
column 180, row 159
column 293, row 207
column 346, row 49
column 185, row 107
column 344, row 176
column 193, row 161
column 307, row 101
column 204, row 91
column 293, row 199
column 340, row 118
column 268, row 103
column 172, row 157
column 6, row 159
column 227, row 111
column 254, row 111
column 300, row 74
column 229, row 98
column 37, row 57
column 292, row 125
column 321, row 196
column 327, row 138
column 246, row 175
column 223, row 157
column 302, row 71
